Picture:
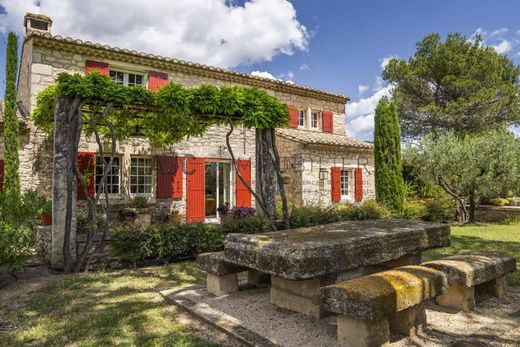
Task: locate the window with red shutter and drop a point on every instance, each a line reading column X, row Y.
column 101, row 67
column 169, row 177
column 1, row 175
column 157, row 80
column 335, row 184
column 327, row 121
column 243, row 196
column 358, row 182
column 87, row 167
column 195, row 192
column 293, row 117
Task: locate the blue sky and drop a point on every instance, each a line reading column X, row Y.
column 338, row 46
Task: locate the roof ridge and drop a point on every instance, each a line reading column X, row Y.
column 80, row 42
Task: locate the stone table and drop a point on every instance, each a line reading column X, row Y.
column 303, row 260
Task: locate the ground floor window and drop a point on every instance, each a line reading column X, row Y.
column 113, row 176
column 345, row 183
column 141, row 176
column 217, row 187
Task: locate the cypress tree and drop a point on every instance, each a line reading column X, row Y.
column 387, row 155
column 11, row 125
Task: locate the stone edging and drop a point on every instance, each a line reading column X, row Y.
column 215, row 318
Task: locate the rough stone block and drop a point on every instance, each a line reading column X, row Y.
column 258, row 279
column 382, row 294
column 215, row 263
column 333, row 248
column 221, row 285
column 496, row 287
column 300, row 296
column 41, row 69
column 353, row 332
column 409, row 322
column 458, row 297
column 474, row 268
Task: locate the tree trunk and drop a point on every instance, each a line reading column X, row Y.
column 472, row 208
column 266, row 180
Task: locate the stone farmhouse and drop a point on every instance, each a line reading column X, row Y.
column 322, row 164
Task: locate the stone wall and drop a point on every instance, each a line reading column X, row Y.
column 497, row 213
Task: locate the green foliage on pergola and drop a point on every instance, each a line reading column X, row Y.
column 164, row 117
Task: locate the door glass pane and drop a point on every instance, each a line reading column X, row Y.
column 223, row 183
column 211, row 189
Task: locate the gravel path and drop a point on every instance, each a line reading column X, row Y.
column 494, row 322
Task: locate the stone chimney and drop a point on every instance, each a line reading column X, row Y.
column 37, row 22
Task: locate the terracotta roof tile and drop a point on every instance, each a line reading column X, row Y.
column 320, row 138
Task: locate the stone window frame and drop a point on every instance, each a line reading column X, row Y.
column 110, row 176
column 150, row 185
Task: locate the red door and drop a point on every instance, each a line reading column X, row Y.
column 195, row 211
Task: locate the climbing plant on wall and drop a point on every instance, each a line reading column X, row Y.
column 97, row 106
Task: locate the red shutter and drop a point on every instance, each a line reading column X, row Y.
column 243, row 196
column 358, row 182
column 195, row 193
column 91, row 65
column 335, row 184
column 157, row 80
column 1, row 175
column 327, row 121
column 169, row 177
column 87, row 165
column 293, row 117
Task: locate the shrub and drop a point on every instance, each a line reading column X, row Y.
column 306, row 216
column 132, row 244
column 414, row 210
column 500, row 202
column 140, row 202
column 440, row 209
column 82, row 220
column 370, row 209
column 249, row 225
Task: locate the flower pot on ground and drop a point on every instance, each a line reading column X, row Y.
column 46, row 213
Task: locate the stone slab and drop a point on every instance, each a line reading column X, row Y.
column 354, row 332
column 333, row 248
column 382, row 294
column 473, row 268
column 215, row 263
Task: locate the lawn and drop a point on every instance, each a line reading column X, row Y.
column 102, row 309
column 492, row 237
column 124, row 307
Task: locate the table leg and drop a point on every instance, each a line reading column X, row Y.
column 300, row 296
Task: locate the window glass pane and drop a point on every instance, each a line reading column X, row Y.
column 112, row 177
column 140, row 175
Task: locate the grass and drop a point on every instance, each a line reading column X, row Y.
column 124, row 308
column 491, row 237
column 102, row 309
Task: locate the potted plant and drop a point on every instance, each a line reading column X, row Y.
column 46, row 213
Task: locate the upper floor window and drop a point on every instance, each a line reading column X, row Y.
column 315, row 118
column 127, row 78
column 345, row 187
column 301, row 118
column 113, row 175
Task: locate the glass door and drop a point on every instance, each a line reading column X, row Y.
column 217, row 190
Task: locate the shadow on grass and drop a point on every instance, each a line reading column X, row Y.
column 462, row 243
column 104, row 309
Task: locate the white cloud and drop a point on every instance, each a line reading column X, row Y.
column 503, row 47
column 362, row 89
column 384, row 61
column 498, row 32
column 216, row 32
column 304, row 67
column 264, row 74
column 360, row 114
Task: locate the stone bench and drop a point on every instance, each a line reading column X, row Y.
column 221, row 275
column 367, row 307
column 482, row 270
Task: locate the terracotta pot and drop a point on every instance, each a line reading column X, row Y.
column 46, row 218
